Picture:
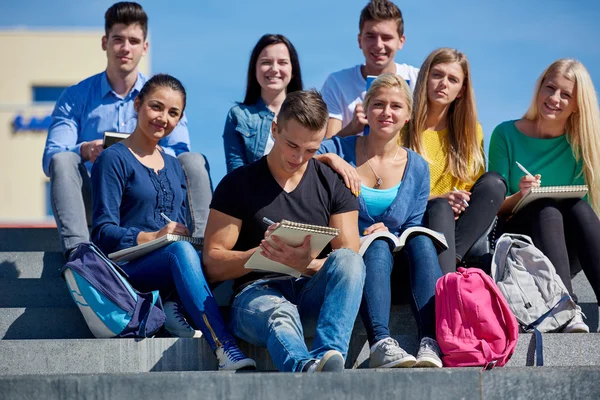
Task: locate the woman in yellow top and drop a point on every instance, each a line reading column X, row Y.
column 464, row 199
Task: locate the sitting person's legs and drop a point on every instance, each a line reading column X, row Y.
column 199, row 190
column 440, row 217
column 375, row 308
column 272, row 312
column 487, row 195
column 177, row 267
column 70, row 197
column 424, row 270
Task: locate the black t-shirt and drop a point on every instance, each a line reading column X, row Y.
column 251, row 193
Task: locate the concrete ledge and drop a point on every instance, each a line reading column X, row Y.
column 43, row 323
column 461, row 383
column 29, row 239
column 20, row 357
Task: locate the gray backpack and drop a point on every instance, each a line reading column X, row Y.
column 527, row 279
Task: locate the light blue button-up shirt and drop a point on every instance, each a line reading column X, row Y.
column 86, row 110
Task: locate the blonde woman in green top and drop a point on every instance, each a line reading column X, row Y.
column 558, row 141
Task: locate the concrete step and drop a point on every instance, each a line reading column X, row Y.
column 173, row 354
column 43, row 323
column 30, row 265
column 29, row 239
column 460, row 383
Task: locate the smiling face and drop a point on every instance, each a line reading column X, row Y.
column 273, row 68
column 125, row 45
column 556, row 99
column 294, row 145
column 379, row 42
column 445, row 83
column 387, row 111
column 159, row 113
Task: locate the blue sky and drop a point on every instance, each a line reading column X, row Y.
column 207, row 44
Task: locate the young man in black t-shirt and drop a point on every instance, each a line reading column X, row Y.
column 270, row 309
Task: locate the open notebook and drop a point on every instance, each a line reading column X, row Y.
column 134, row 252
column 552, row 192
column 293, row 233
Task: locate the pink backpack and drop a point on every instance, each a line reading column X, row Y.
column 475, row 326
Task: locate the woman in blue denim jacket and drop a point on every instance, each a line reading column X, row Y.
column 392, row 197
column 273, row 71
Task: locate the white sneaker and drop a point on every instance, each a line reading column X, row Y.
column 175, row 322
column 576, row 325
column 231, row 358
column 387, row 353
column 429, row 355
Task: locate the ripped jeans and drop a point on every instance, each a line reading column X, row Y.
column 276, row 313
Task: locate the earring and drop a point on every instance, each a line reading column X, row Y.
column 406, row 122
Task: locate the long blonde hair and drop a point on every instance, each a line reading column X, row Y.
column 583, row 125
column 465, row 153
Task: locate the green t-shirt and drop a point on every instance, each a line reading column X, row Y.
column 551, row 158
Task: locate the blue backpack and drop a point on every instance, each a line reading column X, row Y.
column 110, row 305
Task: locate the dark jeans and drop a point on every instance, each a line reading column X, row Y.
column 176, row 268
column 487, row 195
column 418, row 261
column 559, row 230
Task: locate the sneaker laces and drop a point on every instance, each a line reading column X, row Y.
column 430, row 344
column 178, row 314
column 233, row 352
column 390, row 345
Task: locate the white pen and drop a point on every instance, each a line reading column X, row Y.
column 165, row 217
column 463, row 200
column 522, row 168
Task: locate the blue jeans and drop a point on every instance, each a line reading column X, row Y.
column 275, row 313
column 177, row 267
column 419, row 259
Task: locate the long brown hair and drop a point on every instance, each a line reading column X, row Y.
column 465, row 153
column 583, row 125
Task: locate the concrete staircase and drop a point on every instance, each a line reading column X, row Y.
column 47, row 351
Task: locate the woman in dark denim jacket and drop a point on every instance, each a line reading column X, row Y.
column 273, row 71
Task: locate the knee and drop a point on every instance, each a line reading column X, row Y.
column 440, row 207
column 184, row 255
column 493, row 183
column 548, row 207
column 347, row 265
column 64, row 162
column 192, row 161
column 379, row 255
column 284, row 315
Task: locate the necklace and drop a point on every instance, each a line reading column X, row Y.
column 378, row 181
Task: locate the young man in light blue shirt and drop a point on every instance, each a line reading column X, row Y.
column 101, row 103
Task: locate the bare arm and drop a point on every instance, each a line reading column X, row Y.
column 219, row 261
column 348, row 225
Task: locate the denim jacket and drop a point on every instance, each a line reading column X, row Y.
column 246, row 132
column 408, row 208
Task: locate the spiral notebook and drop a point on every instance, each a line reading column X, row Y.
column 552, row 192
column 134, row 252
column 293, row 233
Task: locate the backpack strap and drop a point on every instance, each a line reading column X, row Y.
column 539, row 348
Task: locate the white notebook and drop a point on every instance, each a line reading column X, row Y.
column 134, row 252
column 438, row 239
column 552, row 192
column 293, row 234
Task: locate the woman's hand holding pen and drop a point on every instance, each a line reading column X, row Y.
column 458, row 200
column 528, row 182
column 173, row 227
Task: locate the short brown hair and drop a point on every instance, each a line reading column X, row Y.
column 127, row 13
column 306, row 107
column 381, row 10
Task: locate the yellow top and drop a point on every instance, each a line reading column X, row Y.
column 434, row 143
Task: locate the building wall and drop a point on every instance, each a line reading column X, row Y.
column 37, row 58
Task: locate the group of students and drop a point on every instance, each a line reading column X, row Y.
column 300, row 155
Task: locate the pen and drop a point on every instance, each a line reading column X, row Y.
column 268, row 221
column 522, row 168
column 165, row 217
column 463, row 200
